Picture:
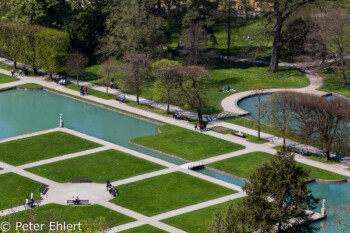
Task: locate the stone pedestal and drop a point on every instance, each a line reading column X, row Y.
column 323, row 209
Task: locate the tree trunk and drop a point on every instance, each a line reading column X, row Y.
column 276, row 44
column 50, row 75
column 107, row 89
column 325, row 154
column 35, row 70
column 15, row 64
column 228, row 33
column 200, row 116
column 159, row 7
column 245, row 10
column 343, row 69
column 137, row 99
column 77, row 79
column 168, row 107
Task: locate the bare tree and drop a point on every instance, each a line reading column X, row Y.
column 259, row 91
column 137, row 73
column 281, row 116
column 192, row 82
column 108, row 68
column 76, row 63
column 194, row 39
column 334, row 29
column 320, row 119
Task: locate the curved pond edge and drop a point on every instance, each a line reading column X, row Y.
column 329, row 181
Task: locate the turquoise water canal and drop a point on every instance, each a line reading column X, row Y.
column 23, row 112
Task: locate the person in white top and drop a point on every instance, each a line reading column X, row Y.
column 27, row 204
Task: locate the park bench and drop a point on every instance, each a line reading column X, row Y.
column 181, row 117
column 80, row 179
column 80, row 202
column 239, row 134
column 34, row 204
column 43, row 189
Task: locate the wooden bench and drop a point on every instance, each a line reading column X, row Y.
column 239, row 134
column 181, row 117
column 80, row 179
column 81, row 202
column 43, row 189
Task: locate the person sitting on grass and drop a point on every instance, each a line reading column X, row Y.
column 123, row 100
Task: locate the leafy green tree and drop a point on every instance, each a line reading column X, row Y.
column 48, row 13
column 132, row 29
column 52, row 49
column 166, row 85
column 276, row 193
column 87, row 23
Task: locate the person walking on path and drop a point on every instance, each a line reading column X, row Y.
column 81, row 91
column 27, row 204
column 13, row 72
column 85, row 90
column 20, row 72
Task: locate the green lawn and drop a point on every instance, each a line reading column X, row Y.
column 105, row 165
column 6, row 78
column 167, row 192
column 75, row 214
column 6, row 67
column 92, row 92
column 15, row 188
column 41, row 147
column 250, row 138
column 333, row 82
column 30, row 86
column 245, row 165
column 187, row 144
column 197, row 221
column 144, row 229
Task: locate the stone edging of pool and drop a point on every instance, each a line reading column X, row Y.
column 329, row 181
column 227, row 174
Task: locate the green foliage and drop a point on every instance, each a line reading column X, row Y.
column 52, row 48
column 48, row 13
column 133, row 30
column 276, row 193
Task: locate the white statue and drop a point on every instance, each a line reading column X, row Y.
column 61, row 121
column 324, row 203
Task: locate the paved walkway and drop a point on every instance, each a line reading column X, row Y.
column 230, row 103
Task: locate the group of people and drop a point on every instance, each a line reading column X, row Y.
column 30, row 203
column 202, row 126
column 62, row 82
column 246, row 38
column 20, row 73
column 76, row 201
column 111, row 189
column 228, row 89
column 83, row 91
column 304, row 152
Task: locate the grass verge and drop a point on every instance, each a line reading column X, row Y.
column 6, row 78
column 167, row 192
column 45, row 146
column 187, row 144
column 145, row 229
column 101, row 166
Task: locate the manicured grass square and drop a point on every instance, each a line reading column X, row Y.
column 167, row 192
column 198, row 220
column 245, row 165
column 187, row 144
column 88, row 216
column 41, row 147
column 101, row 166
column 6, row 78
column 15, row 188
column 144, row 229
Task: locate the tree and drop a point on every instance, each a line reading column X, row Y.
column 165, row 86
column 48, row 13
column 108, row 68
column 228, row 6
column 281, row 116
column 136, row 74
column 131, row 29
column 192, row 84
column 282, row 9
column 52, row 49
column 335, row 31
column 76, row 63
column 259, row 91
column 320, row 119
column 276, row 193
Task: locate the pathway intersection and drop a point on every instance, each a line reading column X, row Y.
column 96, row 192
